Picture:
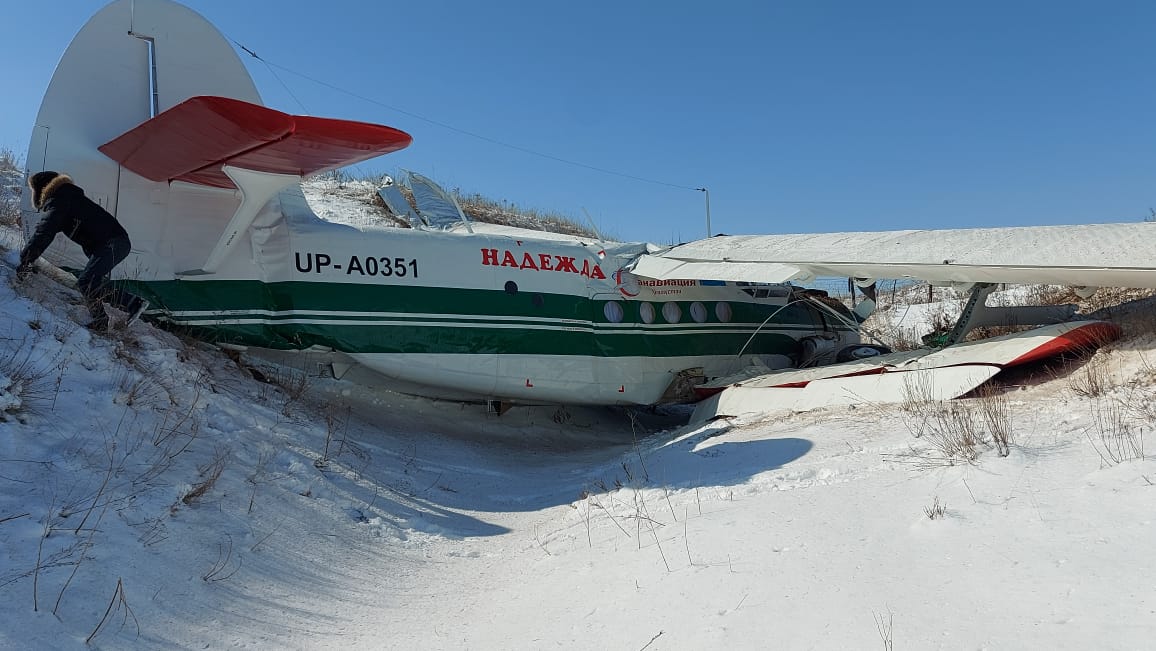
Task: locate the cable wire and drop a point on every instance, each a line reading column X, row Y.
column 275, row 75
column 449, row 127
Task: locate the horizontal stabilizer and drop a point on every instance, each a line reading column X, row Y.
column 193, row 140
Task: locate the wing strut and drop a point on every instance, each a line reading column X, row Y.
column 977, row 313
column 257, row 188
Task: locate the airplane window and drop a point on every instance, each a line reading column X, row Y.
column 537, row 300
column 671, row 312
column 698, row 312
column 646, row 312
column 511, row 287
column 723, row 312
column 613, row 311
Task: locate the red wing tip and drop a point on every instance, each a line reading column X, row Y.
column 1083, row 339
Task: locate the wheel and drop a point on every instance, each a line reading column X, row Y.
column 860, row 351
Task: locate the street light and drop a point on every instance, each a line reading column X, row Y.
column 707, row 192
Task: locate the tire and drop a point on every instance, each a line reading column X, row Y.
column 860, row 351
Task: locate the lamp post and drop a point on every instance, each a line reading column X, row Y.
column 707, row 193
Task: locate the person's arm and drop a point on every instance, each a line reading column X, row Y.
column 46, row 231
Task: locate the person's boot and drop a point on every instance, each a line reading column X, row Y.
column 136, row 307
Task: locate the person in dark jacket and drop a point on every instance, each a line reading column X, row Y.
column 103, row 239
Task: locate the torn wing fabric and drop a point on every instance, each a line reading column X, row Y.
column 1095, row 255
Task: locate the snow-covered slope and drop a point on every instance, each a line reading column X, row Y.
column 346, row 202
column 153, row 494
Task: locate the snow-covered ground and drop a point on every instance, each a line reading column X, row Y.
column 153, row 494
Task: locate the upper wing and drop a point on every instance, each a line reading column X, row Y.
column 1095, row 255
column 193, row 140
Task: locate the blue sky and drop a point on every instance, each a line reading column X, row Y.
column 799, row 117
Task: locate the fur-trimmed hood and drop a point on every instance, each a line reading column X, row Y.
column 50, row 189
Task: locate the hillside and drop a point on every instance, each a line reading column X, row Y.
column 345, row 199
column 155, row 494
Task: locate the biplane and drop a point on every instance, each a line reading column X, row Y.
column 153, row 113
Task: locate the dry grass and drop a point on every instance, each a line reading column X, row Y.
column 336, row 439
column 484, row 209
column 1093, row 379
column 1131, row 309
column 1121, row 411
column 117, row 604
column 294, row 385
column 936, row 511
column 955, row 431
column 11, row 180
column 1049, row 295
column 993, row 407
column 210, row 473
column 138, row 388
column 476, row 207
column 1116, row 434
column 885, row 626
column 1109, row 300
column 28, row 380
column 1139, row 395
column 225, row 566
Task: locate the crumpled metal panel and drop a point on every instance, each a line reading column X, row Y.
column 926, row 384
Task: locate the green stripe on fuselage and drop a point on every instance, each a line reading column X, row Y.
column 364, row 318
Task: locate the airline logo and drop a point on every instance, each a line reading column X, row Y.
column 627, row 283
